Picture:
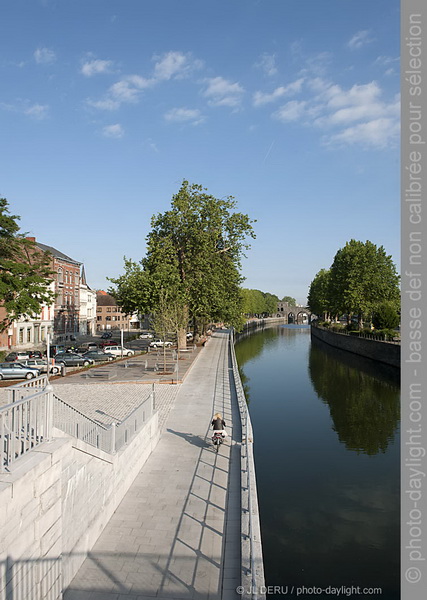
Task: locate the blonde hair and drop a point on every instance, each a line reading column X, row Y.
column 217, row 416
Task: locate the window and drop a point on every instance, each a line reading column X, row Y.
column 21, row 336
column 28, row 335
column 108, row 309
column 60, row 276
column 108, row 318
column 99, row 318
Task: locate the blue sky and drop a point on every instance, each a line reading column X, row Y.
column 290, row 106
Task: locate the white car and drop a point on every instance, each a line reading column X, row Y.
column 120, row 351
column 160, row 344
column 41, row 364
column 146, row 336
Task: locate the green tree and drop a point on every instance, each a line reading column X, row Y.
column 318, row 295
column 386, row 316
column 25, row 273
column 291, row 301
column 361, row 277
column 271, row 301
column 193, row 251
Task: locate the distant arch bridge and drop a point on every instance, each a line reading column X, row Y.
column 299, row 315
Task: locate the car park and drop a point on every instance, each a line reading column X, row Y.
column 16, row 370
column 70, row 359
column 13, row 356
column 99, row 356
column 160, row 344
column 120, row 351
column 41, row 365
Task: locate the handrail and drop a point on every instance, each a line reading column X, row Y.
column 256, row 587
column 27, row 422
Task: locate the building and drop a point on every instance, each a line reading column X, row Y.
column 110, row 316
column 67, row 289
column 87, row 313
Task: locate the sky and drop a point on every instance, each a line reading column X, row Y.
column 290, row 106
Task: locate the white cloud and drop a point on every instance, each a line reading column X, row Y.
column 182, row 115
column 222, row 92
column 125, row 91
column 44, row 56
column 267, row 63
column 113, row 131
column 261, row 98
column 175, row 65
column 378, row 133
column 36, row 111
column 292, row 111
column 94, row 67
column 359, row 39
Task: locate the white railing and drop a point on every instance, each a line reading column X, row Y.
column 24, row 425
column 27, row 422
column 253, row 582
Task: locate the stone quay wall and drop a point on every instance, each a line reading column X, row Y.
column 55, row 504
column 384, row 352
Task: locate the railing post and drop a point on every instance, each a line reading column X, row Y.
column 154, row 398
column 49, row 411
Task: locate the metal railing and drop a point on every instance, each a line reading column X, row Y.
column 24, row 425
column 27, row 422
column 359, row 334
column 253, row 581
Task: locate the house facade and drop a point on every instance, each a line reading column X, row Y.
column 87, row 313
column 110, row 316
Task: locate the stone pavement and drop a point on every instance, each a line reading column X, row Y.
column 176, row 534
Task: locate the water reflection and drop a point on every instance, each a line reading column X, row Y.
column 362, row 399
column 326, row 444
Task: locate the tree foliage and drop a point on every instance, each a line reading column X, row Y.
column 362, row 276
column 25, row 273
column 386, row 316
column 291, row 301
column 257, row 303
column 194, row 252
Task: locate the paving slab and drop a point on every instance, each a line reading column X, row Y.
column 176, row 526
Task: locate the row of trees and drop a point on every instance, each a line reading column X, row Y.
column 25, row 271
column 362, row 281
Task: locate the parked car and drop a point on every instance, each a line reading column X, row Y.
column 41, row 365
column 98, row 355
column 160, row 344
column 146, row 336
column 36, row 354
column 13, row 356
column 87, row 347
column 120, row 351
column 16, row 370
column 107, row 343
column 106, row 335
column 70, row 359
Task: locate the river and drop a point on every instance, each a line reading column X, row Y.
column 327, row 457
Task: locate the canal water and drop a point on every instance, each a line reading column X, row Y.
column 326, row 445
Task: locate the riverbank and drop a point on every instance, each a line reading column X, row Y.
column 380, row 351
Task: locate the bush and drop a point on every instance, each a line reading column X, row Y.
column 385, row 316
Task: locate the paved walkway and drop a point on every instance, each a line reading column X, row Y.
column 176, row 534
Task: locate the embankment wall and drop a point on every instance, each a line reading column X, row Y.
column 55, row 505
column 376, row 350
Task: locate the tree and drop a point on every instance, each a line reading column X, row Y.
column 385, row 316
column 291, row 301
column 193, row 251
column 361, row 277
column 318, row 295
column 25, row 274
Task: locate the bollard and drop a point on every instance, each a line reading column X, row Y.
column 63, row 370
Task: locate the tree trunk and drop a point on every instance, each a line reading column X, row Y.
column 182, row 338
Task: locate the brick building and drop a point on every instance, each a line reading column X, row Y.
column 109, row 315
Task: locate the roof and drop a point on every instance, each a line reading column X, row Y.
column 104, row 299
column 57, row 254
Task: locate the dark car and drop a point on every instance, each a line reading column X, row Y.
column 14, row 370
column 36, row 354
column 70, row 359
column 86, row 347
column 98, row 356
column 106, row 335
